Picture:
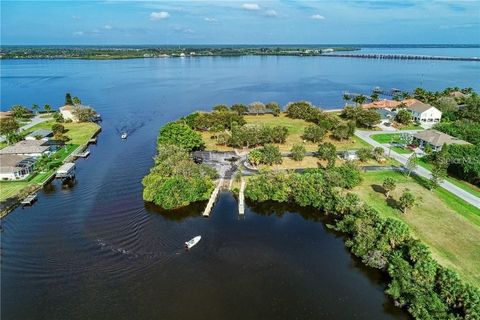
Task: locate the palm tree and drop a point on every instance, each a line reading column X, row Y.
column 346, row 97
column 35, row 108
column 47, row 108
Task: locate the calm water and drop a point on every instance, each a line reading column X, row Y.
column 97, row 251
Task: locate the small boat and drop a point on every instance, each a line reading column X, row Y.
column 190, row 243
column 124, row 135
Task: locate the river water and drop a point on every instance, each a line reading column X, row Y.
column 95, row 250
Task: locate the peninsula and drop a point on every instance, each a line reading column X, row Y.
column 349, row 165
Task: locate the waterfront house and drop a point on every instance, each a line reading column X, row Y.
column 423, row 113
column 40, row 134
column 67, row 112
column 435, row 139
column 15, row 167
column 32, row 148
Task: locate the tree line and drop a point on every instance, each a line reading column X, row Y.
column 417, row 282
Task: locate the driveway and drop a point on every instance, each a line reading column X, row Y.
column 468, row 197
column 34, row 121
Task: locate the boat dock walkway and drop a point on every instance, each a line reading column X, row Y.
column 213, row 198
column 241, row 198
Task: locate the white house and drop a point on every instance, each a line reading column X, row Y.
column 424, row 114
column 15, row 167
column 67, row 113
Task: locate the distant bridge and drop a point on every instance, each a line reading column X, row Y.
column 398, row 56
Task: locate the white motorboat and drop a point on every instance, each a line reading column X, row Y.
column 190, row 243
column 124, row 135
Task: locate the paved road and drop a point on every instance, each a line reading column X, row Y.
column 34, row 121
column 468, row 197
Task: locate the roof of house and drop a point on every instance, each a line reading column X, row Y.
column 417, row 106
column 10, row 163
column 41, row 133
column 457, row 94
column 26, row 147
column 385, row 113
column 438, row 138
column 66, row 107
column 381, row 104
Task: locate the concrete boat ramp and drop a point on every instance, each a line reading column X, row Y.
column 226, row 163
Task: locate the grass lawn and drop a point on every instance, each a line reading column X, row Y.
column 411, row 126
column 9, row 189
column 401, row 150
column 386, row 137
column 79, row 133
column 295, row 131
column 470, row 188
column 449, row 225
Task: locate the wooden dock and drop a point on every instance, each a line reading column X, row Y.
column 241, row 198
column 83, row 154
column 213, row 198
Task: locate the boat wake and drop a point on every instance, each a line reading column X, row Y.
column 129, row 126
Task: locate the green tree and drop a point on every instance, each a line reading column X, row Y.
column 407, row 200
column 403, row 116
column 314, row 133
column 298, row 152
column 300, row 110
column 220, row 108
column 350, row 112
column 181, row 135
column 239, row 108
column 57, row 116
column 271, row 154
column 343, row 131
column 255, row 157
column 19, row 112
column 360, row 99
column 84, row 114
column 389, row 185
column 274, row 107
column 327, row 151
column 8, row 127
column 58, row 128
column 364, row 154
column 257, row 107
column 47, row 108
column 378, row 153
column 76, row 101
column 68, row 99
column 346, row 97
column 368, row 118
column 411, row 164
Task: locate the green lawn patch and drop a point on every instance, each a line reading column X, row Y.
column 449, row 225
column 386, row 137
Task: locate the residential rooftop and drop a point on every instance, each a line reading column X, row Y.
column 437, row 138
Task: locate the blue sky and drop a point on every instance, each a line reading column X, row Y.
column 239, row 22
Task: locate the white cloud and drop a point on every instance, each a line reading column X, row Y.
column 159, row 15
column 78, row 33
column 317, row 17
column 208, row 19
column 108, row 27
column 271, row 13
column 251, row 6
